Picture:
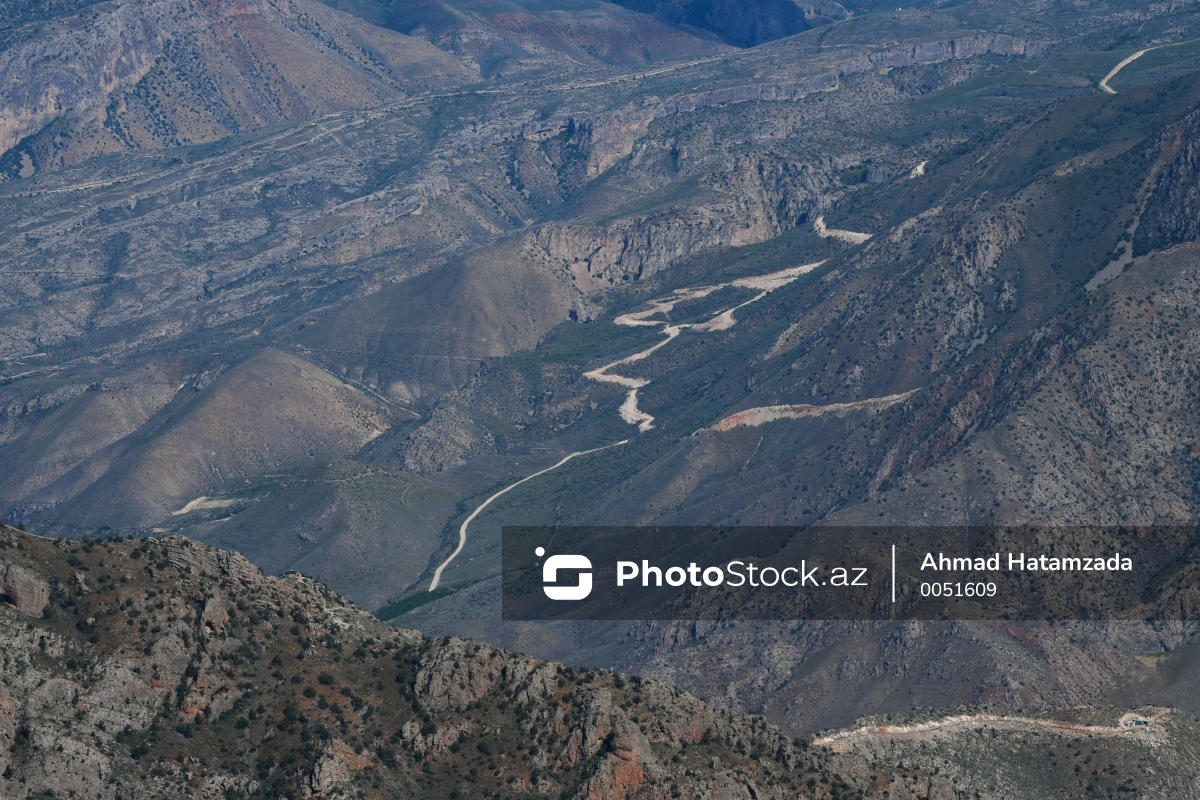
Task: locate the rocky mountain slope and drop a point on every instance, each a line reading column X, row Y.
column 172, row 669
column 165, row 73
column 168, row 668
column 326, row 342
column 1033, row 391
column 161, row 74
column 394, row 250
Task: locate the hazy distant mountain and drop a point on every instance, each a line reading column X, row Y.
column 741, row 24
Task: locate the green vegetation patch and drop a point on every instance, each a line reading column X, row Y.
column 393, row 610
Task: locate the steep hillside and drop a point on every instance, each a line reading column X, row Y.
column 419, row 339
column 912, row 266
column 1172, row 207
column 358, row 527
column 162, row 73
column 268, row 414
column 171, row 669
column 982, row 357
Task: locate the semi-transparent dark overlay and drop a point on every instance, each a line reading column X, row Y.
column 852, row 573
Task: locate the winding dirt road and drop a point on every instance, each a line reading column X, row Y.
column 721, row 321
column 462, row 529
column 629, row 411
column 1112, row 73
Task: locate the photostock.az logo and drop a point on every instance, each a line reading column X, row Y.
column 565, row 562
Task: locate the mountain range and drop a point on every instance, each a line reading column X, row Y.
column 312, row 282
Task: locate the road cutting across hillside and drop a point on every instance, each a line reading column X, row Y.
column 462, row 529
column 850, row 237
column 721, row 321
column 1127, row 725
column 629, row 410
column 755, row 417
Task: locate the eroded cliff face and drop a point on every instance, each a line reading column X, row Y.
column 761, row 196
column 1172, row 211
column 171, row 669
column 609, row 139
column 755, row 198
column 73, row 71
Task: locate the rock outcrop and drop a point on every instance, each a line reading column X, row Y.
column 1172, row 211
column 446, row 440
column 29, row 593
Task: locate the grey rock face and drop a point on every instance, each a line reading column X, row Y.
column 27, row 591
column 77, row 69
column 1172, row 213
column 220, row 564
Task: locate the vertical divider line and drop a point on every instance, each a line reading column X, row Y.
column 893, row 574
